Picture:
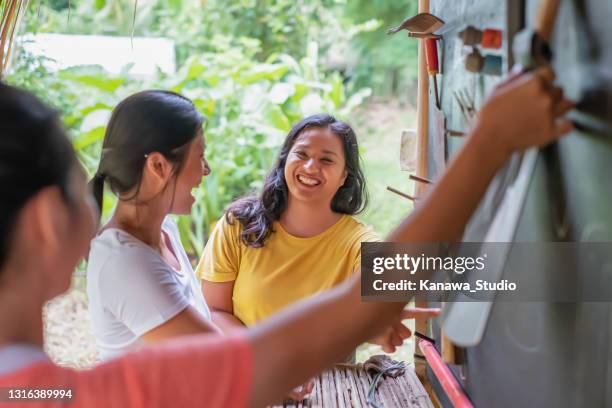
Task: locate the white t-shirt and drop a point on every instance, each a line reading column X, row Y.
column 132, row 289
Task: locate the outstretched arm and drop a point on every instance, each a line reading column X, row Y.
column 308, row 337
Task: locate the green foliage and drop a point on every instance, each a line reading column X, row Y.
column 351, row 34
column 250, row 107
column 252, row 66
column 103, row 17
column 285, row 26
column 278, row 25
column 385, row 62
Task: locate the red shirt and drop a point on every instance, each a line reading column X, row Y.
column 195, row 371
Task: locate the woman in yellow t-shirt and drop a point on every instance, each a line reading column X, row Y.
column 298, row 237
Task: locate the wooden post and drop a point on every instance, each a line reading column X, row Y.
column 422, row 169
column 447, row 349
column 422, row 108
column 422, row 133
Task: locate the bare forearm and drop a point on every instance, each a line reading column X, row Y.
column 188, row 321
column 444, row 212
column 303, row 339
column 226, row 321
column 338, row 321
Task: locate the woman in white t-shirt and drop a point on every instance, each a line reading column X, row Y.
column 140, row 283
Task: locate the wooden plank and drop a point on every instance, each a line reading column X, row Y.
column 385, row 388
column 318, row 392
column 364, row 378
column 361, row 393
column 346, row 387
column 402, row 393
column 415, row 390
column 339, row 391
column 325, row 389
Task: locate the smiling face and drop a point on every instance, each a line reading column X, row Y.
column 190, row 176
column 315, row 168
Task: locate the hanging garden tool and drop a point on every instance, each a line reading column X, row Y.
column 466, row 105
column 424, row 25
column 433, row 68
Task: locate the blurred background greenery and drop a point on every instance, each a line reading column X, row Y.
column 253, row 67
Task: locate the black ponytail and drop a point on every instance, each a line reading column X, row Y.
column 97, row 188
column 146, row 122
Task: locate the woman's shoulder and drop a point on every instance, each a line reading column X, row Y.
column 225, row 231
column 116, row 241
column 115, row 250
column 357, row 231
column 241, row 209
column 228, row 222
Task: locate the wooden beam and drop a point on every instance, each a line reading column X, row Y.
column 422, row 165
column 422, row 109
column 422, row 135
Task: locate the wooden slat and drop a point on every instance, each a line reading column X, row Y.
column 348, row 388
column 361, row 393
column 327, row 391
column 318, row 392
column 340, row 390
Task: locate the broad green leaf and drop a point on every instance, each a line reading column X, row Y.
column 355, row 100
column 271, row 72
column 311, row 104
column 280, row 92
column 195, row 70
column 275, row 116
column 337, row 92
column 88, row 138
column 95, row 119
column 93, row 76
column 88, row 109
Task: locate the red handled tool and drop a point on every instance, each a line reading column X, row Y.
column 433, row 67
column 423, row 26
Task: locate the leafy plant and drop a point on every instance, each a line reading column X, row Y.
column 250, row 107
column 386, row 63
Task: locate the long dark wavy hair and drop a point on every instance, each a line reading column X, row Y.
column 256, row 214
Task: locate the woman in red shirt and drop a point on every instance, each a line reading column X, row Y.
column 46, row 222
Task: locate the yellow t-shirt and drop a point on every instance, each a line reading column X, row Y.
column 285, row 269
